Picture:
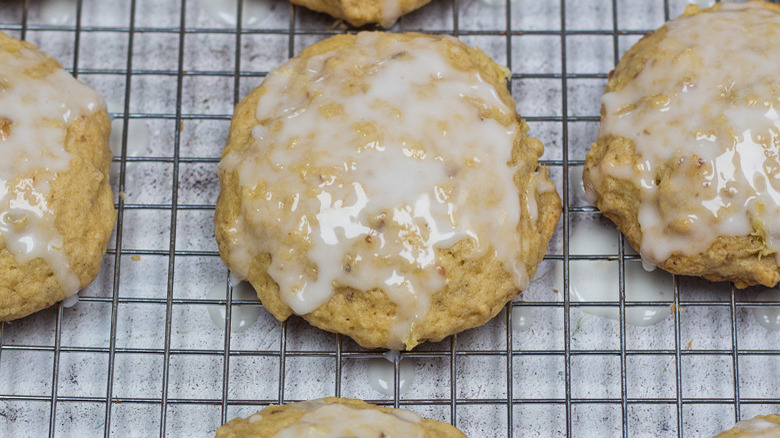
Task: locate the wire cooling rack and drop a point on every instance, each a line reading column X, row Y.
column 140, row 356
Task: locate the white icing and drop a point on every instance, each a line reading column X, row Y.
column 381, row 375
column 522, row 318
column 70, row 301
column 138, row 137
column 391, row 11
column 597, row 280
column 58, row 12
column 333, row 420
column 758, row 428
column 537, row 185
column 576, row 187
column 768, row 316
column 592, row 237
column 707, row 107
column 241, row 316
column 115, row 108
column 233, row 280
column 395, row 171
column 392, row 355
column 253, row 12
column 34, row 115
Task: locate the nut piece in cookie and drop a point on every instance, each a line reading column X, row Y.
column 382, row 186
column 686, row 162
column 337, row 417
column 56, row 205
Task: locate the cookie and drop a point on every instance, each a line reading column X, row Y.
column 761, row 426
column 359, row 13
column 342, row 417
column 382, row 186
column 56, row 205
column 686, row 161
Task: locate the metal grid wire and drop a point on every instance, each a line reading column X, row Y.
column 56, row 405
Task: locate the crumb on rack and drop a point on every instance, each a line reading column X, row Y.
column 135, row 258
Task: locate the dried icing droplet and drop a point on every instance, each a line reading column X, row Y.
column 381, row 374
column 768, row 316
column 253, row 12
column 241, row 316
column 58, row 12
column 597, row 280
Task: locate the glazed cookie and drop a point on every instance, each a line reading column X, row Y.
column 336, row 417
column 762, row 426
column 359, row 13
column 686, row 162
column 382, row 186
column 56, row 205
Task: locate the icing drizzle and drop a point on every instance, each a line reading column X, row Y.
column 391, row 11
column 35, row 112
column 334, row 420
column 704, row 119
column 384, row 156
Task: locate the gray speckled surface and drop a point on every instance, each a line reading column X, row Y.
column 255, row 374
